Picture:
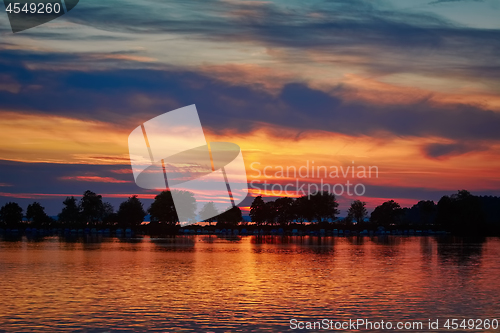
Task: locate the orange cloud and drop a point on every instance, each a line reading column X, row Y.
column 122, row 171
column 29, row 137
column 401, row 161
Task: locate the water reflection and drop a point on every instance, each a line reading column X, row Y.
column 460, row 251
column 183, row 243
column 243, row 283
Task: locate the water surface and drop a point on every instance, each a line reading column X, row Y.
column 243, row 284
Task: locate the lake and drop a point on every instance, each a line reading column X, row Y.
column 244, row 284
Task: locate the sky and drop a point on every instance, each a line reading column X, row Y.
column 411, row 87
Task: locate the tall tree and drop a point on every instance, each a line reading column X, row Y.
column 11, row 214
column 92, row 207
column 427, row 211
column 357, row 212
column 270, row 212
column 70, row 213
column 462, row 213
column 387, row 213
column 35, row 213
column 303, row 209
column 284, row 210
column 185, row 205
column 131, row 212
column 258, row 210
column 209, row 209
column 230, row 218
column 162, row 210
column 324, row 206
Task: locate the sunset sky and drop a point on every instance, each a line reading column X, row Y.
column 409, row 86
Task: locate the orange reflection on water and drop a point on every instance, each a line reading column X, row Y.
column 249, row 283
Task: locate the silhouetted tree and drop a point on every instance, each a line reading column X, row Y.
column 270, row 212
column 461, row 213
column 131, row 212
column 428, row 211
column 11, row 214
column 92, row 208
column 284, row 210
column 386, row 214
column 303, row 209
column 445, row 212
column 258, row 210
column 35, row 213
column 162, row 210
column 230, row 218
column 209, row 210
column 186, row 205
column 424, row 212
column 357, row 212
column 70, row 213
column 324, row 206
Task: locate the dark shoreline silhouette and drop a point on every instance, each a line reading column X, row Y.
column 458, row 214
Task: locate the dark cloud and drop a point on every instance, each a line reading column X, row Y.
column 441, row 150
column 126, row 97
column 55, row 181
column 57, row 178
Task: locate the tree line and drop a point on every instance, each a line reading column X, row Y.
column 319, row 207
column 91, row 211
column 461, row 213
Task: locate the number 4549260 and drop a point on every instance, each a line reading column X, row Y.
column 33, row 8
column 471, row 324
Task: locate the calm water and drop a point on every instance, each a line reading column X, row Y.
column 212, row 284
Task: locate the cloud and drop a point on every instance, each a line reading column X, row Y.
column 447, row 150
column 126, row 97
column 123, row 171
column 389, row 40
column 50, row 183
column 364, row 35
column 65, row 178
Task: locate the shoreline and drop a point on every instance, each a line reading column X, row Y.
column 251, row 230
